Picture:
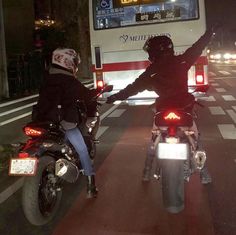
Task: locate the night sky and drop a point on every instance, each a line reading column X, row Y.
column 223, row 11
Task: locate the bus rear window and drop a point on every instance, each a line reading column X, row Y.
column 121, row 13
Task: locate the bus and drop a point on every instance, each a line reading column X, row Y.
column 119, row 29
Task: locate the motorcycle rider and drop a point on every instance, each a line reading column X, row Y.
column 167, row 75
column 60, row 87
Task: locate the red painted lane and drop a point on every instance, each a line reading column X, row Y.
column 126, row 205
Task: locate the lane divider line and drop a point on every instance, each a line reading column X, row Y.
column 11, row 190
column 18, row 100
column 15, row 118
column 17, row 109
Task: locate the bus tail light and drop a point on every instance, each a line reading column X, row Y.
column 199, row 75
column 100, row 84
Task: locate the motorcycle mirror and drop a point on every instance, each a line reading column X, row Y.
column 108, row 88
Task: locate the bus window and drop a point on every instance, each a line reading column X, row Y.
column 122, row 13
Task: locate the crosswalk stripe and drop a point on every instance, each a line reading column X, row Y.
column 228, row 97
column 212, row 74
column 232, row 114
column 224, row 72
column 228, row 131
column 209, row 98
column 216, row 110
column 220, row 90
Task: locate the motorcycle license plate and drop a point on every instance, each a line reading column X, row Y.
column 25, row 166
column 172, row 151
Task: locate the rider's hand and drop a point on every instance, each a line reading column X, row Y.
column 111, row 99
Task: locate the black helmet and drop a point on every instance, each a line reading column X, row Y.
column 158, row 46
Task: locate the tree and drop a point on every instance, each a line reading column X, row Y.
column 72, row 22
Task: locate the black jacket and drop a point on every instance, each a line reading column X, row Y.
column 168, row 76
column 61, row 88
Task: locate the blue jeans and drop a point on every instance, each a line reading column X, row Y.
column 76, row 139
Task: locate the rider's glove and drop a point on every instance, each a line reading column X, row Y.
column 111, row 99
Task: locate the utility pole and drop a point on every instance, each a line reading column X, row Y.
column 4, row 91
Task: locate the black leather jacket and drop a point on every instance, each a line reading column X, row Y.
column 61, row 88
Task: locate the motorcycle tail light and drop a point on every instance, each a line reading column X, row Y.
column 172, row 116
column 23, row 155
column 34, row 132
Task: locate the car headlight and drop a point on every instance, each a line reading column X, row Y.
column 217, row 56
column 227, row 56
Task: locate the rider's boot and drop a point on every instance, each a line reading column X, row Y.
column 92, row 190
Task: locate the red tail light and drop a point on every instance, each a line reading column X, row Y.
column 199, row 79
column 33, row 132
column 172, row 116
column 23, row 155
column 199, row 74
column 100, row 84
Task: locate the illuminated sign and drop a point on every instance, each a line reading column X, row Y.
column 123, row 3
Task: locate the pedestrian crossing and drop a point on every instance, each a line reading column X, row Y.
column 227, row 130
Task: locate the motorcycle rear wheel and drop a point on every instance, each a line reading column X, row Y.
column 172, row 174
column 40, row 199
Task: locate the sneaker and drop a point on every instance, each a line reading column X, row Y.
column 205, row 177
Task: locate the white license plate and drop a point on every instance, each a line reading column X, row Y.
column 25, row 166
column 172, row 151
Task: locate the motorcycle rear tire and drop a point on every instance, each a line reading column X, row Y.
column 31, row 198
column 172, row 174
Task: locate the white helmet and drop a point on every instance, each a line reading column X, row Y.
column 66, row 58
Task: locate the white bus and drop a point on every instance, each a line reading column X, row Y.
column 119, row 29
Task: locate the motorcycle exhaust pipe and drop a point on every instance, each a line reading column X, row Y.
column 66, row 170
column 199, row 158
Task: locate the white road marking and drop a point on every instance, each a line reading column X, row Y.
column 224, row 72
column 101, row 130
column 212, row 74
column 18, row 100
column 216, row 110
column 228, row 97
column 234, row 71
column 108, row 112
column 215, row 84
column 15, row 118
column 232, row 114
column 228, row 131
column 17, row 109
column 209, row 98
column 117, row 113
column 234, row 107
column 11, row 190
column 220, row 90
